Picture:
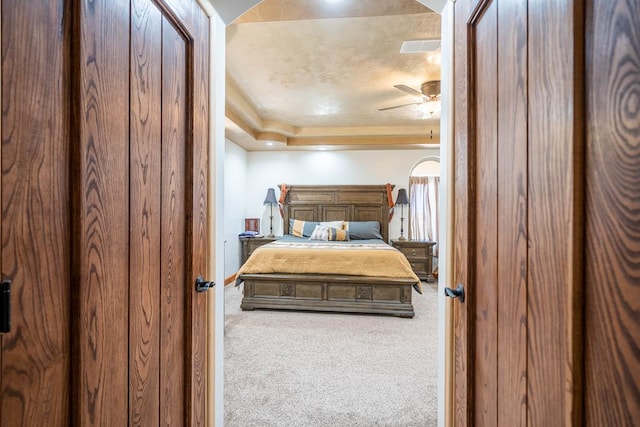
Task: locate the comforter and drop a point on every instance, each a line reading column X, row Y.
column 294, row 255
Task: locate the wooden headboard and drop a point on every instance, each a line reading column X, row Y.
column 338, row 202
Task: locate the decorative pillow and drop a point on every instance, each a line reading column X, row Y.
column 333, row 224
column 338, row 234
column 321, row 232
column 362, row 230
column 301, row 228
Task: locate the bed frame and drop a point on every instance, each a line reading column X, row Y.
column 332, row 293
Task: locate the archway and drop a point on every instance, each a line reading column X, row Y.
column 424, row 182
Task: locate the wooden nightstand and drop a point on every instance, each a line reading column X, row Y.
column 248, row 245
column 420, row 256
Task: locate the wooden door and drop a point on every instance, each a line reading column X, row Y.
column 518, row 212
column 166, row 332
column 141, row 214
column 158, row 153
column 612, row 214
column 521, row 221
column 104, row 212
column 35, row 354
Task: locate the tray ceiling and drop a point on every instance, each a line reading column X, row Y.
column 305, row 74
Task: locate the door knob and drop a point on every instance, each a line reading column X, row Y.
column 455, row 293
column 203, row 285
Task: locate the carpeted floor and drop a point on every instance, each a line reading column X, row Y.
column 317, row 369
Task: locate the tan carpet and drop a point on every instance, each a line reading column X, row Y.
column 317, row 369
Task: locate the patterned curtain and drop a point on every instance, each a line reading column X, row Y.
column 423, row 208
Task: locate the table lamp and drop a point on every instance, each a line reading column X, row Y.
column 271, row 200
column 402, row 200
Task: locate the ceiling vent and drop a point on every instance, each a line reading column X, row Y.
column 419, row 46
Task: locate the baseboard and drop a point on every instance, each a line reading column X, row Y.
column 229, row 279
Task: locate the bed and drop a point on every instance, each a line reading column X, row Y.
column 384, row 286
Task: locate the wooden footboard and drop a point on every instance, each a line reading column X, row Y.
column 332, row 293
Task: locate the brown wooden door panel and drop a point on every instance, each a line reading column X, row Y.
column 172, row 135
column 35, row 357
column 145, row 194
column 485, row 284
column 190, row 23
column 464, row 225
column 612, row 266
column 512, row 212
column 546, row 375
column 101, row 225
column 554, row 212
column 198, row 234
column 173, row 254
column 518, row 156
column 104, row 211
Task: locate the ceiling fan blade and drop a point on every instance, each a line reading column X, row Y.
column 409, row 90
column 398, row 106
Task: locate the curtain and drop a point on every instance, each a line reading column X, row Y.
column 423, row 208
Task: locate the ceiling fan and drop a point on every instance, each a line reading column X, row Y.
column 429, row 96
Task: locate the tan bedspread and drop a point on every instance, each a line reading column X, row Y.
column 366, row 259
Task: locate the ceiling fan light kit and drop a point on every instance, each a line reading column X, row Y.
column 429, row 109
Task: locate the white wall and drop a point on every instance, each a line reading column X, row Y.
column 358, row 167
column 248, row 175
column 235, row 188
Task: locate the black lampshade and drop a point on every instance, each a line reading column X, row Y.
column 402, row 198
column 271, row 197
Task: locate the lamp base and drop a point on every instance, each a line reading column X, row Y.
column 402, row 226
column 271, row 224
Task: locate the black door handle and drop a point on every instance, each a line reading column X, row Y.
column 203, row 285
column 455, row 293
column 5, row 306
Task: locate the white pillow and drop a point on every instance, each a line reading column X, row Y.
column 321, row 232
column 333, row 224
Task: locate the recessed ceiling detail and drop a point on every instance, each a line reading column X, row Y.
column 296, row 10
column 288, row 75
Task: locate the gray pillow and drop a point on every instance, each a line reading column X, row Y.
column 363, row 230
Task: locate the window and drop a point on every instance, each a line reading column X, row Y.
column 423, row 200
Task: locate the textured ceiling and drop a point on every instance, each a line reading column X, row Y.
column 283, row 10
column 307, row 73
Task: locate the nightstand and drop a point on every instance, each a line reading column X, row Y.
column 420, row 256
column 248, row 245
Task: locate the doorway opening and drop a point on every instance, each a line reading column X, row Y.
column 249, row 165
